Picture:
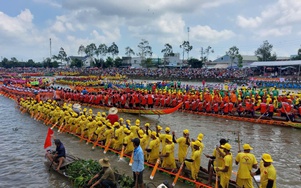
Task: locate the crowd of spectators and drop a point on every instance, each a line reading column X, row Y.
column 160, row 73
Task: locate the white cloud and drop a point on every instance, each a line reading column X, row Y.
column 20, row 23
column 207, row 34
column 249, row 22
column 274, row 32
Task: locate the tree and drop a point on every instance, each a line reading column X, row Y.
column 233, row 53
column 239, row 62
column 186, row 48
column 147, row 63
column 118, row 62
column 167, row 51
column 102, row 50
column 264, row 52
column 195, row 63
column 81, row 50
column 109, row 62
column 62, row 56
column 90, row 50
column 297, row 57
column 145, row 50
column 113, row 50
column 129, row 51
column 76, row 63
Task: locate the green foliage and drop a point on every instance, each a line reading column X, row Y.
column 76, row 63
column 81, row 171
column 195, row 63
column 264, row 52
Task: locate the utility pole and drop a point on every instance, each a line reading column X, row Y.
column 50, row 48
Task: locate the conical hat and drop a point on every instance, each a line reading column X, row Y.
column 113, row 110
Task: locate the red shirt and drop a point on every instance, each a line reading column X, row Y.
column 113, row 118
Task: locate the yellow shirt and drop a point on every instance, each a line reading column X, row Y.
column 267, row 173
column 182, row 148
column 154, row 145
column 218, row 162
column 227, row 161
column 169, row 162
column 246, row 161
column 129, row 145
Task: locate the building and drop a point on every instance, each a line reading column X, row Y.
column 225, row 61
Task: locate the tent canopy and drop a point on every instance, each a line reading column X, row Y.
column 274, row 63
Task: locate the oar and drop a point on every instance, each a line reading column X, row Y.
column 238, row 141
column 254, row 179
column 216, row 180
column 122, row 153
column 107, row 146
column 132, row 159
column 261, row 115
column 96, row 142
column 180, row 170
column 155, row 169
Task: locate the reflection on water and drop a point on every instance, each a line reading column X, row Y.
column 22, row 162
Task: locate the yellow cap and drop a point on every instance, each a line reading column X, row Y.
column 167, row 129
column 227, row 146
column 159, row 127
column 116, row 124
column 121, row 119
column 247, row 147
column 140, row 133
column 200, row 137
column 186, row 131
column 147, row 124
column 267, row 158
column 154, row 134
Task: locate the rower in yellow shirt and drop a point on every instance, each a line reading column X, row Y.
column 153, row 149
column 168, row 154
column 225, row 171
column 118, row 137
column 246, row 161
column 109, row 133
column 194, row 163
column 184, row 143
column 127, row 141
column 163, row 139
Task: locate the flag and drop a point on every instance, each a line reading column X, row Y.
column 48, row 138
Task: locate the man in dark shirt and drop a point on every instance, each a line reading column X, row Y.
column 107, row 175
column 59, row 156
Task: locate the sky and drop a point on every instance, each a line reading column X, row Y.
column 26, row 27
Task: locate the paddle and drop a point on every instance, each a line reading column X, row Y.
column 254, row 179
column 179, row 172
column 155, row 169
column 261, row 115
column 107, row 146
column 96, row 142
column 122, row 153
column 216, row 180
column 132, row 159
column 238, row 141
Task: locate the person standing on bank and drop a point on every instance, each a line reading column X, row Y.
column 138, row 164
column 59, row 156
column 107, row 179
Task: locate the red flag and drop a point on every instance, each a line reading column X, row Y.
column 48, row 138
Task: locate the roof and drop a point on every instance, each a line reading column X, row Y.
column 274, row 63
column 249, row 58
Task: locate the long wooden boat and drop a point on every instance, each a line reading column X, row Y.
column 162, row 111
column 203, row 175
column 277, row 122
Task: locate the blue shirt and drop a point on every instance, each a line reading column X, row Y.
column 61, row 152
column 138, row 160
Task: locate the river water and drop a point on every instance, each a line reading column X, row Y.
column 22, row 162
